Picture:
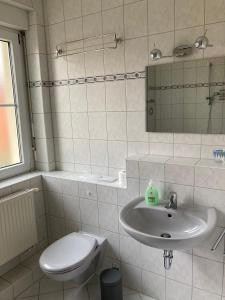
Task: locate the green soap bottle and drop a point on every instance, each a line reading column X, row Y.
column 151, row 195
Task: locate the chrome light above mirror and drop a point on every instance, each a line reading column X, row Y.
column 201, row 42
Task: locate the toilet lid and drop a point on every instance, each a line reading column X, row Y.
column 67, row 253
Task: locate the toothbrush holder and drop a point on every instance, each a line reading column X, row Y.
column 219, row 155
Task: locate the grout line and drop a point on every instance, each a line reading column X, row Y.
column 106, row 116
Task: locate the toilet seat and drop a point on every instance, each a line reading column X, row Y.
column 68, row 253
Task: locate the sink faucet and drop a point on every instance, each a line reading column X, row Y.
column 172, row 201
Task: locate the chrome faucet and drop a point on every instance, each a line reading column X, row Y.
column 172, row 201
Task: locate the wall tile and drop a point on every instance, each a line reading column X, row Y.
column 149, row 260
column 113, row 21
column 132, row 191
column 192, row 139
column 78, row 98
column 210, row 177
column 107, row 4
column 92, row 25
column 42, row 125
column 207, row 275
column 189, row 13
column 114, row 60
column 204, row 249
column 132, row 168
column 57, row 68
column 82, row 151
column 182, row 268
column 161, row 149
column 137, row 148
column 54, row 204
column 135, row 93
column 97, row 125
column 113, row 243
column 94, row 63
column 176, row 290
column 99, row 153
column 64, row 151
column 89, row 211
column 54, row 11
column 155, row 170
column 216, row 37
column 129, row 250
column 107, row 194
column 72, row 8
column 156, row 137
column 91, row 6
column 56, row 35
column 136, row 127
column 108, row 217
column 116, row 126
column 211, row 198
column 136, row 54
column 161, row 16
column 214, row 12
column 115, row 96
column 117, row 154
column 132, row 276
column 80, row 125
column 62, row 125
column 75, row 34
column 76, row 66
column 87, row 190
column 135, row 19
column 96, row 97
column 60, row 101
column 157, row 287
column 71, row 207
column 202, row 295
column 179, row 174
column 184, row 150
column 69, row 187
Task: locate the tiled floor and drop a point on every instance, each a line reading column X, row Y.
column 47, row 289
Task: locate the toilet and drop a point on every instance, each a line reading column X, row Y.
column 75, row 257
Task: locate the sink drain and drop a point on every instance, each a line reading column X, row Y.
column 166, row 235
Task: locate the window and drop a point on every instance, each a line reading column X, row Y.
column 14, row 134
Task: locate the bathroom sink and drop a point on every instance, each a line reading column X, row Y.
column 166, row 228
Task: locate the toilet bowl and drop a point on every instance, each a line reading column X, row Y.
column 74, row 257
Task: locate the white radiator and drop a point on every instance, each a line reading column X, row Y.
column 18, row 231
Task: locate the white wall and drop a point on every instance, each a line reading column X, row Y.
column 195, row 274
column 97, row 125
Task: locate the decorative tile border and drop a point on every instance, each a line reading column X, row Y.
column 182, row 86
column 90, row 79
column 118, row 77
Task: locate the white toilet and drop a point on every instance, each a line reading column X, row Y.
column 73, row 257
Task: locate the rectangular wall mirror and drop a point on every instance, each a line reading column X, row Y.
column 187, row 96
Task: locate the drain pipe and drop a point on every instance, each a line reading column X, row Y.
column 168, row 259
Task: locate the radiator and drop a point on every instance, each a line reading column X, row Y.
column 18, row 231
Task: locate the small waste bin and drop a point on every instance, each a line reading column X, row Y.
column 111, row 284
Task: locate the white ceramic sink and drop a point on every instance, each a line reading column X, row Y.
column 164, row 228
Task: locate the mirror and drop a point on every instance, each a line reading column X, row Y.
column 187, row 96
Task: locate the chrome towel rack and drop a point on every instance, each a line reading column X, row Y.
column 217, row 242
column 108, row 41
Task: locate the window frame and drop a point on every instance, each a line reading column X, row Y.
column 21, row 101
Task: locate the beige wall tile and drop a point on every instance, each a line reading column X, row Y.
column 189, row 13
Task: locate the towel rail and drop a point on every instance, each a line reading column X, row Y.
column 217, row 242
column 113, row 44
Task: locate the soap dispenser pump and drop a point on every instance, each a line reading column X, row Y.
column 151, row 195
